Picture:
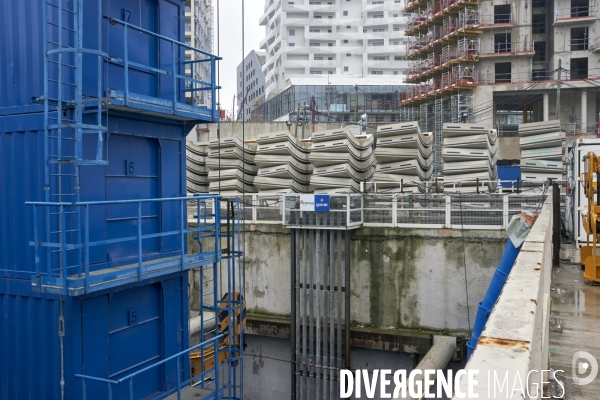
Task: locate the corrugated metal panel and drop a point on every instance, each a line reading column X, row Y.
column 21, row 179
column 30, row 361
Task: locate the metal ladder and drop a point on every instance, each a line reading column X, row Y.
column 64, row 127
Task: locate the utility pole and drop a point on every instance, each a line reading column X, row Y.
column 303, row 119
column 356, row 107
column 297, row 121
column 558, row 91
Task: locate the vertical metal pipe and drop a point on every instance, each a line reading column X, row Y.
column 293, row 312
column 126, row 65
column 332, row 303
column 340, row 299
column 347, row 297
column 305, row 324
column 325, row 335
column 311, row 313
column 87, row 247
column 139, row 235
column 317, row 292
column 556, row 222
column 183, row 225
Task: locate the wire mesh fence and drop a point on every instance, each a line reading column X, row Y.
column 410, row 210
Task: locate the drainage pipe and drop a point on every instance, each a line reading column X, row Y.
column 437, row 358
column 485, row 307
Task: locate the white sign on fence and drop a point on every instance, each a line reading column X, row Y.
column 307, row 202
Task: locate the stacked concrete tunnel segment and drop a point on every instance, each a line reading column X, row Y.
column 470, row 154
column 542, row 151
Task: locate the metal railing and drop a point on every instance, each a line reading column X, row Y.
column 63, row 258
column 491, row 19
column 345, row 212
column 174, row 73
column 574, row 12
column 411, row 209
column 206, row 346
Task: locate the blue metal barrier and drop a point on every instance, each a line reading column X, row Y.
column 67, row 268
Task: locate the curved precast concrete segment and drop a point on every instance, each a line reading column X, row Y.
column 437, row 358
column 209, row 322
column 514, row 343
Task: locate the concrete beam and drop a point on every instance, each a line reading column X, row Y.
column 407, row 341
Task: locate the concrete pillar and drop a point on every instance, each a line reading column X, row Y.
column 583, row 111
column 545, row 106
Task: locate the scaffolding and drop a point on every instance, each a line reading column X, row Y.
column 438, row 138
column 461, row 107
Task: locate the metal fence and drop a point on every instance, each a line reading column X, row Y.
column 403, row 210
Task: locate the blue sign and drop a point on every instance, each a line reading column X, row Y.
column 321, row 202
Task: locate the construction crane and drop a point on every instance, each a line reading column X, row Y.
column 591, row 223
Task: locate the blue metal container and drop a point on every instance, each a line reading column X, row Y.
column 93, row 219
column 510, row 176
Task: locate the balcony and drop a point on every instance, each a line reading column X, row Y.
column 505, row 49
column 86, row 256
column 384, row 21
column 574, row 15
column 496, row 21
column 387, row 64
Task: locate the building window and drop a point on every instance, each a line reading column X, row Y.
column 330, row 44
column 377, row 44
column 502, row 72
column 315, row 44
column 291, row 44
column 539, row 75
column 379, row 58
column 502, row 14
column 348, row 27
column 579, row 68
column 540, row 51
column 345, row 41
column 345, row 69
column 395, row 72
column 345, row 13
column 396, row 29
column 315, row 3
column 538, row 23
column 395, row 15
column 538, row 3
column 316, row 72
column 396, row 43
column 348, row 55
column 314, row 30
column 318, row 58
column 330, row 16
column 378, row 30
column 398, row 58
column 502, row 43
column 378, row 16
column 580, row 8
column 292, row 32
column 376, row 72
column 579, row 38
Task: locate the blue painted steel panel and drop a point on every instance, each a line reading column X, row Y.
column 28, row 343
column 156, row 150
column 21, row 48
column 100, row 339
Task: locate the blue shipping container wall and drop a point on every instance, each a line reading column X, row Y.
column 22, row 48
column 113, row 332
column 155, row 157
column 107, row 334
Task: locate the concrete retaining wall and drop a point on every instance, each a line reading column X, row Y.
column 401, row 278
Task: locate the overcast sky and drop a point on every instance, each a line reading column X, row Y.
column 230, row 35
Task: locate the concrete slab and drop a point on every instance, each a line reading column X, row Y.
column 574, row 321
